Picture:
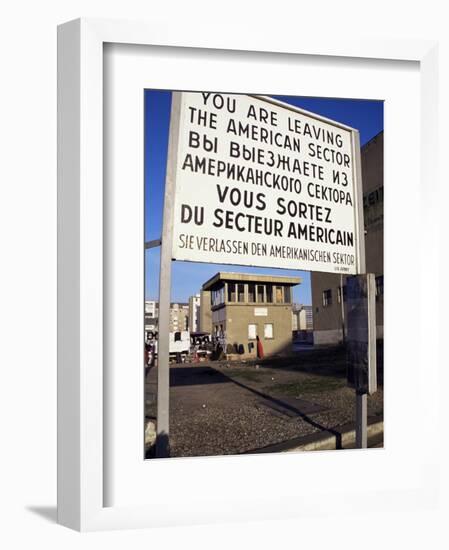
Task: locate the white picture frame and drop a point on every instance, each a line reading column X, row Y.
column 83, row 396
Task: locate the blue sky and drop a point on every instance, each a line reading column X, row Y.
column 188, row 277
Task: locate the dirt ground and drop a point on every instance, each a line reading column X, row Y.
column 219, row 408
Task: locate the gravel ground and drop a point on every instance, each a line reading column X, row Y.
column 231, row 408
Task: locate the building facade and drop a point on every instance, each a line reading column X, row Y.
column 179, row 317
column 329, row 290
column 151, row 315
column 205, row 312
column 151, row 309
column 246, row 306
column 302, row 317
column 194, row 313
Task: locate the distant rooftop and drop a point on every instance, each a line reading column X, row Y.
column 250, row 278
column 156, row 303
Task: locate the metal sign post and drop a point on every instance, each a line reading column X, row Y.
column 163, row 367
column 254, row 181
column 361, row 346
column 363, row 327
column 361, row 415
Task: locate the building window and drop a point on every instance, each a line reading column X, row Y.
column 327, row 298
column 269, row 290
column 309, row 318
column 260, row 294
column 218, row 296
column 379, row 286
column 339, row 292
column 279, row 294
column 252, row 332
column 251, row 292
column 231, row 292
column 241, row 292
column 268, row 331
column 287, row 295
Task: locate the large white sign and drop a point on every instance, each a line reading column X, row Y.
column 259, row 182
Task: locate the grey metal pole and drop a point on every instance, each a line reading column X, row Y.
column 153, row 244
column 361, row 429
column 163, row 352
column 361, row 398
column 342, row 310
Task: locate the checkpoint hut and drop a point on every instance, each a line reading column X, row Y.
column 245, row 306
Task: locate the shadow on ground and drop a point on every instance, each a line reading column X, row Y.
column 320, row 372
column 49, row 513
column 322, row 361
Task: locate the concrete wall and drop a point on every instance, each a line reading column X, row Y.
column 327, row 337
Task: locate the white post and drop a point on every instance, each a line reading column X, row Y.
column 163, row 368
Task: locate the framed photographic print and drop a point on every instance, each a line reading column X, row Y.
column 218, row 207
